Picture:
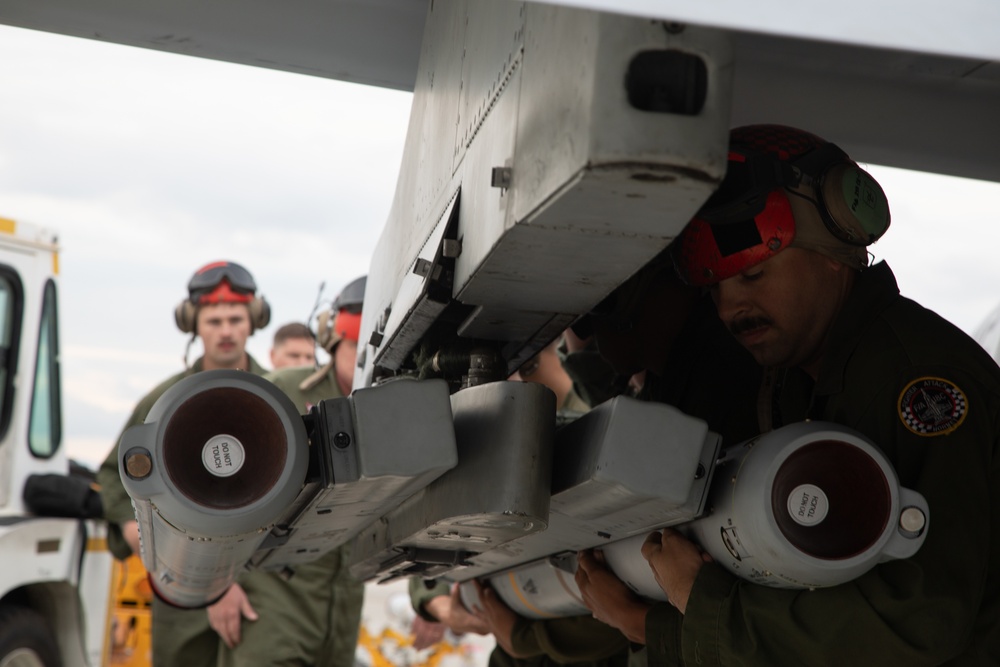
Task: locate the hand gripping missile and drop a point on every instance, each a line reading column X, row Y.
column 223, row 454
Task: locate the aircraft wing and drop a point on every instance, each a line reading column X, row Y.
column 904, row 84
column 373, row 42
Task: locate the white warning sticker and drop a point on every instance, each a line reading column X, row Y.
column 223, row 455
column 808, row 504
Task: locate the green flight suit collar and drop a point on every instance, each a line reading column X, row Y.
column 255, row 368
column 197, row 367
column 874, row 290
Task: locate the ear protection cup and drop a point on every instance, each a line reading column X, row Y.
column 324, row 329
column 186, row 315
column 260, row 313
column 852, row 204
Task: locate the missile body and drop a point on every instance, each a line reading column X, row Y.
column 219, row 458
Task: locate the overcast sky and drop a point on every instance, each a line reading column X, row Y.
column 148, row 165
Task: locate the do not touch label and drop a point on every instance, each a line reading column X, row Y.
column 808, row 504
column 223, row 455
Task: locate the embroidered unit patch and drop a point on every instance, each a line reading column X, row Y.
column 932, row 406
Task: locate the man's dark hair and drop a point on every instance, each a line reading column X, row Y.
column 292, row 330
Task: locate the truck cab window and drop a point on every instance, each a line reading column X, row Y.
column 10, row 316
column 45, row 432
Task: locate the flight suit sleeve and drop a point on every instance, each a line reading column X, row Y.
column 421, row 592
column 117, row 504
column 663, row 636
column 917, row 611
column 568, row 640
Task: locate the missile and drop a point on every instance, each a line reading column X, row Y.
column 226, row 476
column 219, row 458
column 810, row 505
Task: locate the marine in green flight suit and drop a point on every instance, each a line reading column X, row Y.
column 223, row 310
column 848, row 348
column 929, row 397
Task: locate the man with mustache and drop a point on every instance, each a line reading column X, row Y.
column 782, row 246
column 223, row 310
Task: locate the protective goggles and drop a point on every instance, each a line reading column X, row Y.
column 233, row 279
column 746, row 221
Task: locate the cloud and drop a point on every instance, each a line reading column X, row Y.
column 148, row 165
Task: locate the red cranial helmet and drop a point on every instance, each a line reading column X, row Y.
column 751, row 216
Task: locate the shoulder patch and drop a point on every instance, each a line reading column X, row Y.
column 932, row 406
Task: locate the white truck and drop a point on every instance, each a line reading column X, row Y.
column 55, row 581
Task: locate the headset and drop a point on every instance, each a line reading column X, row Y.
column 850, row 201
column 221, row 282
column 186, row 315
column 749, row 217
column 324, row 329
